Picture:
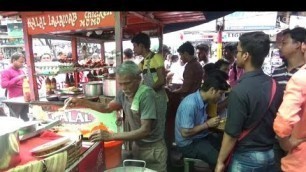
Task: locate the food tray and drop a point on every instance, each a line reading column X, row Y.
column 74, row 152
column 57, row 151
column 50, row 145
column 68, row 92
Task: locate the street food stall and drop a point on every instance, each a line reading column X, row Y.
column 103, row 26
column 30, row 146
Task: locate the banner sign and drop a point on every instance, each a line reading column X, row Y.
column 14, row 30
column 233, row 36
column 83, row 117
column 250, row 21
column 297, row 21
column 69, row 21
column 199, row 35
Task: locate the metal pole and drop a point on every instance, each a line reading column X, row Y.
column 220, row 27
column 30, row 60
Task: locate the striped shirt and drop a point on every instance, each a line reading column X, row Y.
column 282, row 76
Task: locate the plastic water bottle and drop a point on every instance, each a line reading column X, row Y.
column 30, row 116
column 26, row 90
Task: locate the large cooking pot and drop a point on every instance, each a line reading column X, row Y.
column 131, row 168
column 93, row 88
column 9, row 142
column 109, row 87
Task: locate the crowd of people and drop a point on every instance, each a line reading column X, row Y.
column 182, row 98
column 264, row 117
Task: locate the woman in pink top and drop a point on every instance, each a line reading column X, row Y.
column 290, row 122
column 12, row 79
column 229, row 55
column 234, row 74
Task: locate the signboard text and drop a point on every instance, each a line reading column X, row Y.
column 66, row 21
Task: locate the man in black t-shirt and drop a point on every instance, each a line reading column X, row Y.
column 248, row 105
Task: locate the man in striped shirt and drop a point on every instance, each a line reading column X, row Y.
column 291, row 50
column 290, row 123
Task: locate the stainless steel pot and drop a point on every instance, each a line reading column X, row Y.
column 109, row 87
column 131, row 168
column 9, row 142
column 93, row 88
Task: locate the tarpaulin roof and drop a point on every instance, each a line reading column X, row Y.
column 133, row 22
column 171, row 20
column 209, row 16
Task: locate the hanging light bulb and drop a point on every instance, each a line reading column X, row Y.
column 99, row 32
column 89, row 33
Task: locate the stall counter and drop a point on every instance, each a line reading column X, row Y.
column 20, row 100
column 43, row 102
column 91, row 157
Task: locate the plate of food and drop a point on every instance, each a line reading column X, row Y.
column 221, row 125
column 51, row 147
column 86, row 130
column 70, row 90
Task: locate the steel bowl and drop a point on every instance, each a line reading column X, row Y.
column 93, row 88
column 52, row 97
column 131, row 168
column 109, row 87
column 9, row 142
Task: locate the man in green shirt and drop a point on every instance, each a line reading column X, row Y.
column 139, row 105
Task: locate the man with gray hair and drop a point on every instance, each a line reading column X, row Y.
column 139, row 105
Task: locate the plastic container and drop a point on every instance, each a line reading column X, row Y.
column 113, row 157
column 212, row 109
column 26, row 90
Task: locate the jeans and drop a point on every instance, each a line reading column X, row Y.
column 206, row 149
column 279, row 153
column 253, row 161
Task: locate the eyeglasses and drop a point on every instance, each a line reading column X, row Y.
column 236, row 52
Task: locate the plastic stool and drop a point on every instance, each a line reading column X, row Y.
column 187, row 162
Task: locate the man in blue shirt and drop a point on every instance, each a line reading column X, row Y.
column 191, row 124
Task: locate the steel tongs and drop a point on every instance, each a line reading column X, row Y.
column 66, row 103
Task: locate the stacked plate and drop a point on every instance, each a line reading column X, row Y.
column 52, row 147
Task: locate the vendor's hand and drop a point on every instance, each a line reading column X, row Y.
column 100, row 135
column 219, row 167
column 214, row 122
column 74, row 102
